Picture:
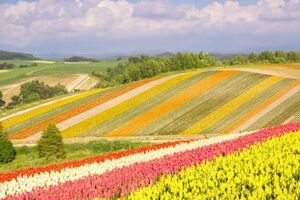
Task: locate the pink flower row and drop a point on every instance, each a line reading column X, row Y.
column 122, row 181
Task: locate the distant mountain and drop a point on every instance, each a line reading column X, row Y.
column 7, row 55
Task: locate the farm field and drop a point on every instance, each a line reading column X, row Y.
column 73, row 76
column 195, row 102
column 172, row 170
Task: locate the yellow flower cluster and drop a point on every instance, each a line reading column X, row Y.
column 269, row 170
column 46, row 108
column 209, row 120
column 91, row 122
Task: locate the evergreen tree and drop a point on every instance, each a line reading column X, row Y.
column 7, row 151
column 51, row 143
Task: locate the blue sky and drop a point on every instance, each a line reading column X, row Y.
column 108, row 26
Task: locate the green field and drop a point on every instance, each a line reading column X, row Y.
column 18, row 74
column 27, row 157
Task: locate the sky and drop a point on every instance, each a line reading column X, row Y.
column 127, row 26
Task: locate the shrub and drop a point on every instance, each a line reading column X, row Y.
column 51, row 143
column 7, row 151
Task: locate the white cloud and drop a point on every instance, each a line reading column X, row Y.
column 26, row 22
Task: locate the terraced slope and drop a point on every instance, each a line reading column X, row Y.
column 197, row 102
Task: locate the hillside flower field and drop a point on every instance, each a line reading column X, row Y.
column 188, row 103
column 261, row 164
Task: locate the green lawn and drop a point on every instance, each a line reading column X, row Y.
column 27, row 157
column 18, row 74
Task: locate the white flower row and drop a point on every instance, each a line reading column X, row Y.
column 27, row 183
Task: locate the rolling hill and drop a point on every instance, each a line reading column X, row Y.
column 72, row 75
column 190, row 103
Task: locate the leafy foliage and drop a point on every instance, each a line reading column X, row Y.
column 51, row 143
column 137, row 68
column 7, row 151
column 79, row 59
column 36, row 90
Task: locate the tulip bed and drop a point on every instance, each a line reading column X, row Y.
column 149, row 172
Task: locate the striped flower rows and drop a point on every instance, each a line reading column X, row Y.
column 120, row 176
column 93, row 121
column 72, row 112
column 47, row 107
column 189, row 103
column 269, row 170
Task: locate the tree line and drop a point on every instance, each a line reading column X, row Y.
column 11, row 65
column 6, row 55
column 273, row 57
column 34, row 91
column 141, row 67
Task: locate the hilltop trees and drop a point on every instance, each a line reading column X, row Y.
column 7, row 151
column 34, row 91
column 51, row 143
column 141, row 67
column 276, row 57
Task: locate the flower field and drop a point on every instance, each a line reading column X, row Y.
column 196, row 102
column 70, row 112
column 91, row 122
column 261, row 164
column 171, row 104
column 35, row 112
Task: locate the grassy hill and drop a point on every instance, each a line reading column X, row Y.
column 44, row 68
column 190, row 103
column 51, row 72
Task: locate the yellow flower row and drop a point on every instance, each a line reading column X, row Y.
column 269, row 170
column 91, row 122
column 48, row 107
column 212, row 118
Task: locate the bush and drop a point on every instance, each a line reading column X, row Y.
column 7, row 151
column 51, row 143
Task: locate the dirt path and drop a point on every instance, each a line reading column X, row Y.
column 76, row 83
column 274, row 71
column 272, row 106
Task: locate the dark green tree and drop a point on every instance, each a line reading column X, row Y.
column 7, row 150
column 51, row 145
column 253, row 57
